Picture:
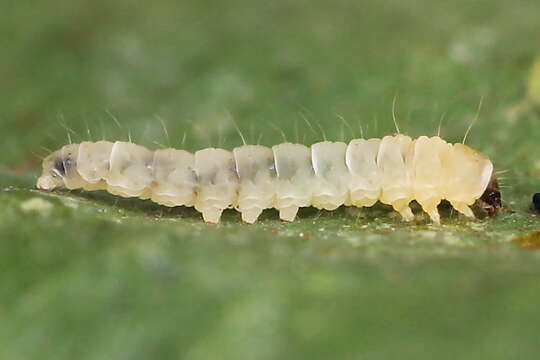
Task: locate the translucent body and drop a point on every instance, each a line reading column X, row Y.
column 295, row 172
column 467, row 175
column 257, row 176
column 330, row 185
column 217, row 182
column 394, row 161
column 429, row 173
column 394, row 170
column 130, row 172
column 175, row 180
column 93, row 163
column 365, row 179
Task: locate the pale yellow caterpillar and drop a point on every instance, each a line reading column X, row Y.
column 394, row 170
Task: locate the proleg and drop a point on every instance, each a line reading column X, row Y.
column 394, row 170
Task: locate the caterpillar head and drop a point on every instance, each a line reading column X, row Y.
column 490, row 200
column 59, row 169
column 54, row 170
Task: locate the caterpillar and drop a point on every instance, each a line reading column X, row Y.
column 394, row 170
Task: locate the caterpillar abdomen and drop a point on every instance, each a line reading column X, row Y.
column 394, row 170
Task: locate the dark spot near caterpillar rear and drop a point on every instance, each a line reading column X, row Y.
column 491, row 198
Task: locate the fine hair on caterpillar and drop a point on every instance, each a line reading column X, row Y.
column 394, row 170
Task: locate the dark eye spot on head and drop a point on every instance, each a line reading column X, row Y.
column 536, row 201
column 59, row 167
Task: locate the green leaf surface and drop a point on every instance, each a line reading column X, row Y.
column 91, row 276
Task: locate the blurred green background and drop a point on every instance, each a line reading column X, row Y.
column 90, row 276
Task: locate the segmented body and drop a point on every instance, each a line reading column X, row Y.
column 394, row 170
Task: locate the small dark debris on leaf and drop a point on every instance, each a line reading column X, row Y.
column 529, row 241
column 536, row 202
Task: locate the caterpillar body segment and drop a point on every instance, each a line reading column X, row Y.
column 257, row 180
column 469, row 175
column 331, row 180
column 294, row 175
column 174, row 182
column 130, row 170
column 394, row 170
column 93, row 163
column 430, row 173
column 365, row 175
column 394, row 160
column 217, row 182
